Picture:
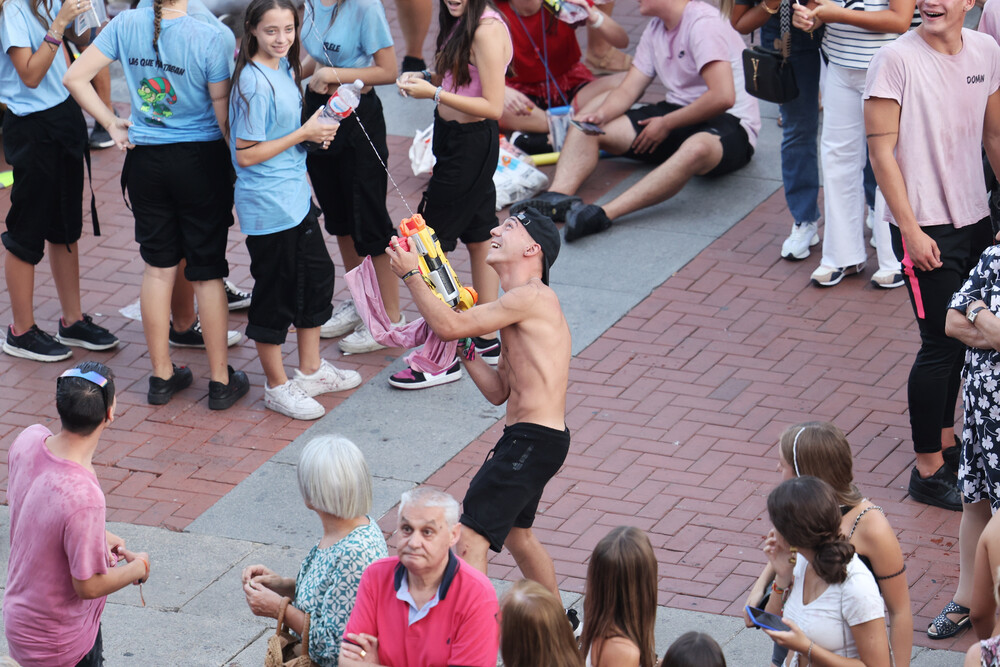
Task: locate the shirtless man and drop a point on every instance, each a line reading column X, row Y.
column 531, row 377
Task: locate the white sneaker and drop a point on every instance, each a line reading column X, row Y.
column 292, row 401
column 362, row 341
column 887, row 278
column 327, row 379
column 344, row 319
column 803, row 236
column 828, row 276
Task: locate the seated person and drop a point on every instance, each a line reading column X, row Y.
column 544, row 43
column 707, row 126
column 986, row 572
column 426, row 607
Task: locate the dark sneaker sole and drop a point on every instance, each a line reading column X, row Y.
column 932, row 500
column 162, row 398
column 433, row 382
column 557, row 211
column 86, row 344
column 15, row 351
column 227, row 401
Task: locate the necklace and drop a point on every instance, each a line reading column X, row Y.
column 171, row 9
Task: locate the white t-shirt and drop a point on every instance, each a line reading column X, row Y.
column 989, row 22
column 942, row 102
column 828, row 619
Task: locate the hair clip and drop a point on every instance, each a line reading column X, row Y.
column 795, row 455
column 794, row 555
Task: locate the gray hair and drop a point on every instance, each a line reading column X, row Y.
column 425, row 496
column 334, row 477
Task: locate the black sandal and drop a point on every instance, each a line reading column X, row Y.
column 943, row 627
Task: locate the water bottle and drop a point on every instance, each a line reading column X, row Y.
column 341, row 104
column 574, row 15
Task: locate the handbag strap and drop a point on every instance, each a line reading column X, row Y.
column 281, row 614
column 285, row 601
column 786, row 27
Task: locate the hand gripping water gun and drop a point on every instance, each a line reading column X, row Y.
column 434, row 266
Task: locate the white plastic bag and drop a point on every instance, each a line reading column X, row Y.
column 421, row 156
column 515, row 178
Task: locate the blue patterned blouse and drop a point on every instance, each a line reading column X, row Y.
column 327, row 586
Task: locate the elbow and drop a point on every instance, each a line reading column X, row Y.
column 953, row 324
column 32, row 82
column 244, row 160
column 86, row 590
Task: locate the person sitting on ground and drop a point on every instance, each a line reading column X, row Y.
column 707, row 125
column 828, row 598
column 335, row 483
column 547, row 71
column 62, row 557
column 531, row 376
column 986, row 579
column 694, row 649
column 619, row 610
column 425, row 606
column 533, row 629
column 820, row 449
column 986, row 652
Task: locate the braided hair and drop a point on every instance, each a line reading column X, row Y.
column 804, row 510
column 157, row 19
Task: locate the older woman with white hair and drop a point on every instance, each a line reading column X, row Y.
column 335, row 483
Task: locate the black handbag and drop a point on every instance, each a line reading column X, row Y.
column 767, row 74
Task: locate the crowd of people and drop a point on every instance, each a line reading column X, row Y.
column 207, row 133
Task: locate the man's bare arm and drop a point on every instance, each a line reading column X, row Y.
column 991, row 131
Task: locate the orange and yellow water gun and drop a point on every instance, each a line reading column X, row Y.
column 434, row 266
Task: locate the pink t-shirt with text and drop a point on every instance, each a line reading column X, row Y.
column 677, row 57
column 57, row 533
column 942, row 102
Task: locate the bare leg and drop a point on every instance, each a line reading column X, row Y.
column 154, row 300
column 388, row 286
column 348, row 253
column 65, row 264
column 596, row 90
column 473, row 548
column 182, row 310
column 414, row 21
column 271, row 362
column 484, row 278
column 975, row 516
column 929, row 463
column 532, row 559
column 20, row 276
column 533, row 122
column 309, row 359
column 580, row 152
column 697, row 155
column 214, row 309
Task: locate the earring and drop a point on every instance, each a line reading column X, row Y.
column 794, row 555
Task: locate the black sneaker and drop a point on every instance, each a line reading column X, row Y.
column 86, row 334
column 952, row 457
column 488, row 349
column 574, row 622
column 99, row 137
column 938, row 490
column 161, row 391
column 553, row 204
column 584, row 221
column 237, row 298
column 411, row 64
column 532, row 143
column 36, row 345
column 222, row 396
column 193, row 337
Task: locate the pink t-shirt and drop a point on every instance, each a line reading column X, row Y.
column 942, row 102
column 56, row 531
column 677, row 57
column 475, row 87
column 989, row 22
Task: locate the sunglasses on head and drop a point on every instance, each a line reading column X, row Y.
column 89, row 376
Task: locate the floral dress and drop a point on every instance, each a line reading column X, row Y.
column 327, row 586
column 990, row 652
column 979, row 469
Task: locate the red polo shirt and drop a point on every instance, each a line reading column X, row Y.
column 460, row 631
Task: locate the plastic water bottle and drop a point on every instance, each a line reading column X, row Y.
column 342, row 103
column 570, row 13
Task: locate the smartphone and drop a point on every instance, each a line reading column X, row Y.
column 586, row 128
column 763, row 619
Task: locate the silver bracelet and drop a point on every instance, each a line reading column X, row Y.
column 809, row 654
column 437, row 95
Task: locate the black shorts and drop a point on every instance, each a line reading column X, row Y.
column 95, row 656
column 736, row 148
column 460, row 200
column 505, row 492
column 182, row 199
column 46, row 150
column 349, row 180
column 293, row 281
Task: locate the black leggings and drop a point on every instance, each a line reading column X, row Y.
column 935, row 377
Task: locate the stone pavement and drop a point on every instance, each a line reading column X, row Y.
column 693, row 349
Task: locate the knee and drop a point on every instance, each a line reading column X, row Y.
column 702, row 151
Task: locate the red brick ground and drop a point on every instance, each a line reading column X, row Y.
column 674, row 411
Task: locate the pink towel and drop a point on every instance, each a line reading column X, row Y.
column 435, row 356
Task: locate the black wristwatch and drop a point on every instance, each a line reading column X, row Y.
column 973, row 314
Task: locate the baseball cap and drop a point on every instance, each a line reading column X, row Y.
column 545, row 234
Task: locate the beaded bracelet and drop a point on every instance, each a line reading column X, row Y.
column 52, row 40
column 409, row 274
column 437, row 95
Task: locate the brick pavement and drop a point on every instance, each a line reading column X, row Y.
column 674, row 411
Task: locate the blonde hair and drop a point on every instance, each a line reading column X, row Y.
column 534, row 629
column 820, row 449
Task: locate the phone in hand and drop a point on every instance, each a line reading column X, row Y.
column 767, row 620
column 586, row 128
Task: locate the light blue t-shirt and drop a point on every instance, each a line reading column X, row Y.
column 199, row 11
column 19, row 27
column 359, row 30
column 168, row 89
column 274, row 195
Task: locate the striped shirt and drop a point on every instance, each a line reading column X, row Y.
column 853, row 47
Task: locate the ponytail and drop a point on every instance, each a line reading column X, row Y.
column 831, row 559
